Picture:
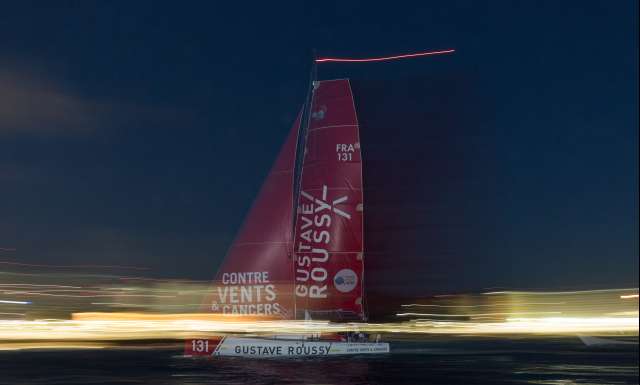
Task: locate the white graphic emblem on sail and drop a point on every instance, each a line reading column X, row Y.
column 345, row 280
column 323, row 205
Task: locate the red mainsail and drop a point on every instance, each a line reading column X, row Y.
column 281, row 267
column 328, row 245
column 256, row 275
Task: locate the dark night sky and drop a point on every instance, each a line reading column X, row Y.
column 139, row 132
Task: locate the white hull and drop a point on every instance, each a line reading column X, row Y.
column 263, row 347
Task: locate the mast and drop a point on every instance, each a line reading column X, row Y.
column 299, row 159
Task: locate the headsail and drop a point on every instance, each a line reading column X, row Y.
column 328, row 231
column 256, row 275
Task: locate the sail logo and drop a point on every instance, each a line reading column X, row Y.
column 322, row 204
column 315, row 216
column 319, row 115
column 246, row 293
column 345, row 151
column 345, row 280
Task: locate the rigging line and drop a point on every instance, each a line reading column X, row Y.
column 384, row 58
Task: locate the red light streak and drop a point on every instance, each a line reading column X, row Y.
column 385, row 58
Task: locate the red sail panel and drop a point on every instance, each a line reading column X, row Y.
column 256, row 275
column 328, row 262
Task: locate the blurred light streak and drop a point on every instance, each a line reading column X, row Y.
column 629, row 296
column 486, row 305
column 12, row 263
column 625, row 313
column 54, row 345
column 430, row 314
column 477, row 314
column 163, row 309
column 581, row 292
column 87, row 296
column 128, row 316
column 132, row 326
column 164, row 280
column 144, row 304
column 35, row 286
column 15, row 302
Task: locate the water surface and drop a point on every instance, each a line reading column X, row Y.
column 459, row 361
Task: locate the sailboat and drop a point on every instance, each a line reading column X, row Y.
column 299, row 253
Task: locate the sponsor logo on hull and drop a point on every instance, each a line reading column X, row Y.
column 299, row 350
column 255, row 347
